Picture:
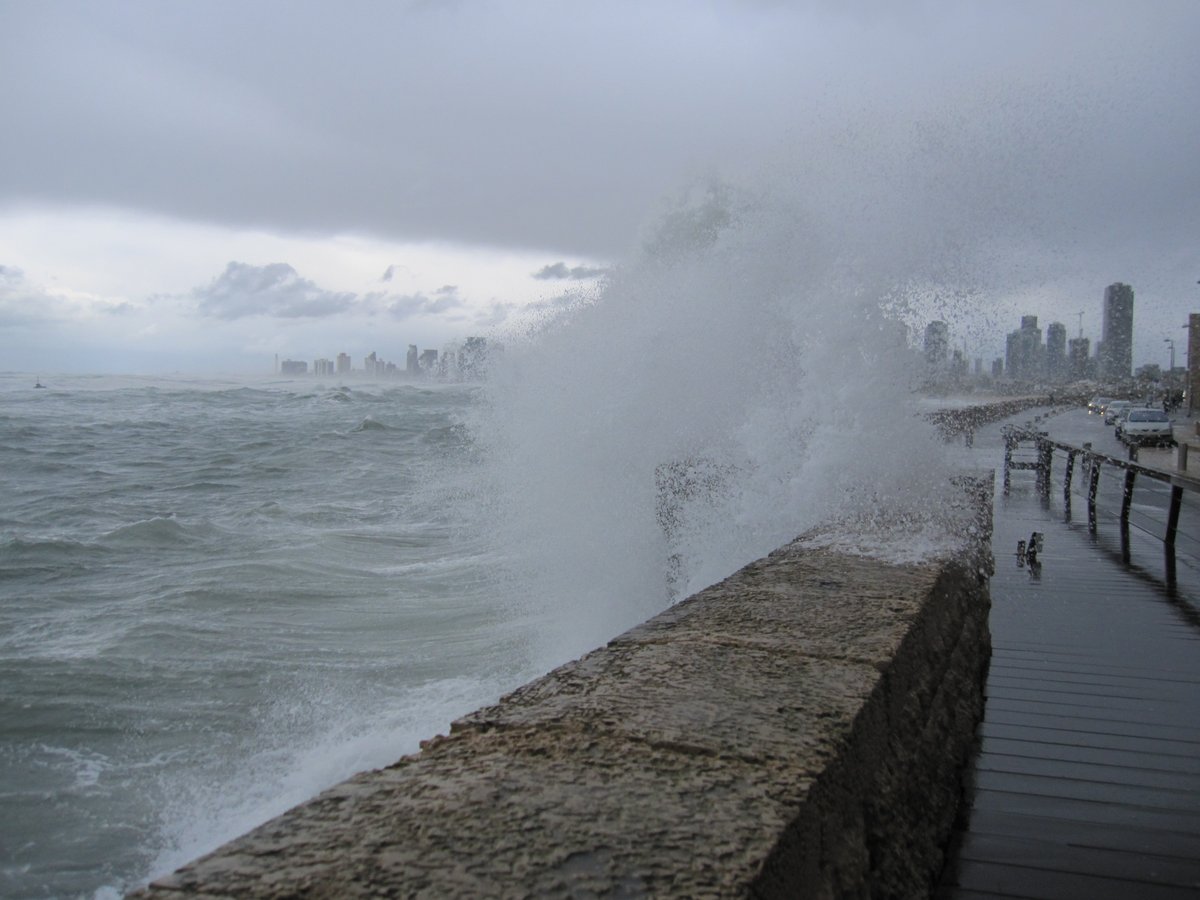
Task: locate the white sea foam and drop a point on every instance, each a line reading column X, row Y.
column 737, row 341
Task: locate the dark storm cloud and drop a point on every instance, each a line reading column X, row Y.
column 559, row 271
column 391, row 271
column 272, row 290
column 405, row 306
column 425, row 121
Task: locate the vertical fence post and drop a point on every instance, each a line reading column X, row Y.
column 1181, row 456
column 1045, row 455
column 1172, row 528
column 1067, row 482
column 1093, row 487
column 1009, row 443
column 1126, row 504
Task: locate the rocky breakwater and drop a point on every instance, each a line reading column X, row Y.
column 797, row 730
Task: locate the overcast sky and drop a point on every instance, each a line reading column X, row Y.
column 198, row 186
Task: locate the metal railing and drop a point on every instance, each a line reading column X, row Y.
column 1091, row 464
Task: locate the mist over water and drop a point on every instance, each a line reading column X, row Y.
column 740, row 342
column 251, row 592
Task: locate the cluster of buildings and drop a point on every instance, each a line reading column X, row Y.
column 465, row 362
column 1057, row 359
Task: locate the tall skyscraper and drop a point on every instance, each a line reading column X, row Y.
column 1116, row 338
column 937, row 344
column 1024, row 351
column 1056, row 352
column 1079, row 366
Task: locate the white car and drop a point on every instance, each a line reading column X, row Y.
column 1113, row 409
column 1147, row 426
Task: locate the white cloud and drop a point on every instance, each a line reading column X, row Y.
column 271, row 290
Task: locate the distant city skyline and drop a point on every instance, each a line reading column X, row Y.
column 1116, row 312
column 1060, row 358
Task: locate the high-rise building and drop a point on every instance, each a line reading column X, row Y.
column 1024, row 351
column 1079, row 365
column 1116, row 338
column 1056, row 352
column 412, row 364
column 343, row 364
column 937, row 344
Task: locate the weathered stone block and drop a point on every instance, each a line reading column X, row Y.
column 796, row 730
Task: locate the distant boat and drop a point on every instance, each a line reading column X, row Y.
column 37, row 382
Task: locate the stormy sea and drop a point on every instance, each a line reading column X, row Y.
column 220, row 595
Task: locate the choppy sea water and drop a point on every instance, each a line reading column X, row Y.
column 219, row 597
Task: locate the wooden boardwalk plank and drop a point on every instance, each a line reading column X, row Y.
column 1038, row 717
column 1137, row 799
column 1076, row 737
column 1096, row 835
column 1072, row 753
column 1047, row 854
column 1008, row 880
column 1122, row 772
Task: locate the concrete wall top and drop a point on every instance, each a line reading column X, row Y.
column 795, row 730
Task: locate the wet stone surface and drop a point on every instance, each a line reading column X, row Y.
column 795, row 729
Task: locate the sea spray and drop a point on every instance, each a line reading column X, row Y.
column 737, row 341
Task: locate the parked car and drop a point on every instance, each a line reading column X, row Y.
column 1119, row 419
column 1113, row 408
column 1096, row 404
column 1147, row 426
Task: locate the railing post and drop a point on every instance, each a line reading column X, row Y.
column 1126, row 504
column 1181, row 455
column 1173, row 516
column 1045, row 455
column 1009, row 443
column 1093, row 487
column 1067, row 482
column 1172, row 528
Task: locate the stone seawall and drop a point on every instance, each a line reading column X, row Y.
column 797, row 730
column 965, row 419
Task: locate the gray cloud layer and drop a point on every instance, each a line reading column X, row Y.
column 271, row 290
column 277, row 290
column 556, row 126
column 560, row 271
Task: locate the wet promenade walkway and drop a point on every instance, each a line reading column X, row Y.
column 1087, row 780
